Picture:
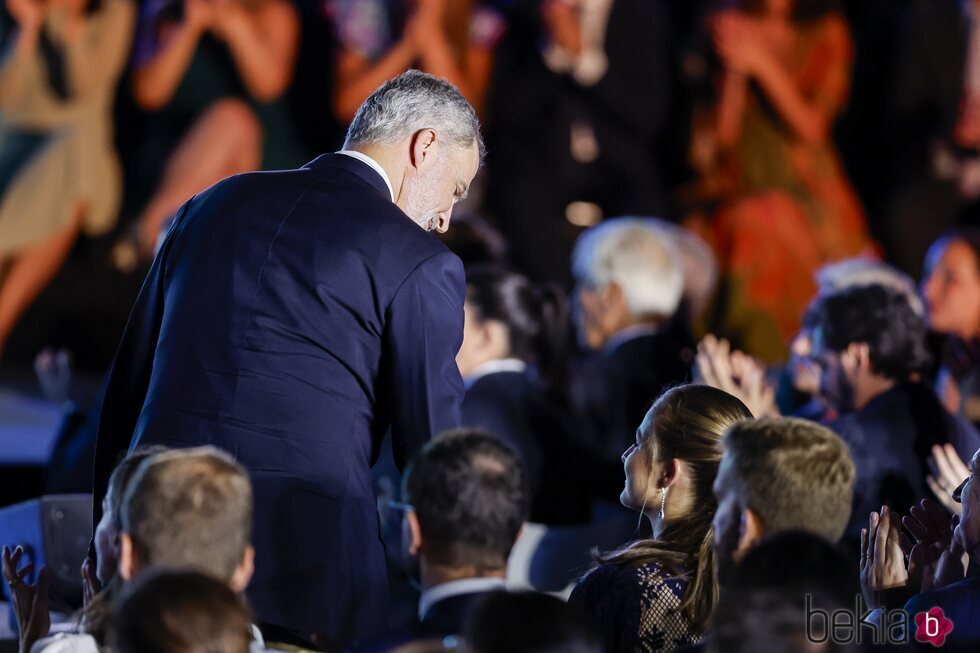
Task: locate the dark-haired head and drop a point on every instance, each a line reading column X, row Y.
column 951, row 283
column 528, row 622
column 180, row 612
column 862, row 336
column 509, row 317
column 469, row 498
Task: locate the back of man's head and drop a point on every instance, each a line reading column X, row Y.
column 878, row 316
column 190, row 508
column 180, row 612
column 469, row 493
column 635, row 256
column 793, row 474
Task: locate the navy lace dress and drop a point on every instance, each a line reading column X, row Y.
column 635, row 608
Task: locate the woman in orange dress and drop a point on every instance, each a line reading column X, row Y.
column 786, row 207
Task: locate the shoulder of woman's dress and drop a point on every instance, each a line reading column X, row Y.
column 66, row 643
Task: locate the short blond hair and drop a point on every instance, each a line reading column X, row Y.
column 793, row 473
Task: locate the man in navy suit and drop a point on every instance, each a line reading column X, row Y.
column 291, row 318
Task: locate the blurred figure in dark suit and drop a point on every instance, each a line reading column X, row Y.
column 629, row 286
column 579, row 99
column 291, row 318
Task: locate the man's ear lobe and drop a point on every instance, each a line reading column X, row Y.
column 127, row 557
column 423, row 142
column 751, row 532
column 856, row 357
column 416, row 545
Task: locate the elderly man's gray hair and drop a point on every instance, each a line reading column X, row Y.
column 637, row 257
column 412, row 101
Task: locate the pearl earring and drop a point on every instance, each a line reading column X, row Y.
column 663, row 502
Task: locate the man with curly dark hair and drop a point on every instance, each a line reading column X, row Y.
column 870, row 346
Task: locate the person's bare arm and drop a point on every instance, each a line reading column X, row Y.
column 166, row 53
column 358, row 77
column 94, row 65
column 263, row 44
column 21, row 48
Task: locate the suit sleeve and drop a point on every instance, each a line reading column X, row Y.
column 424, row 329
column 129, row 377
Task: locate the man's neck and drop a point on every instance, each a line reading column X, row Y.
column 432, row 575
column 385, row 157
column 870, row 388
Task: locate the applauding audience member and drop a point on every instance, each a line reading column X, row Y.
column 658, row 594
column 100, row 582
column 466, row 500
column 188, row 509
column 59, row 174
column 779, row 474
column 181, row 612
column 380, row 39
column 870, row 346
column 213, row 77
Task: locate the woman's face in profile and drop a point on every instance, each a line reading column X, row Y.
column 639, row 461
column 951, row 288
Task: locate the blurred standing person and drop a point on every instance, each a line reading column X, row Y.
column 935, row 173
column 579, row 101
column 379, row 39
column 951, row 287
column 213, row 75
column 59, row 175
column 786, row 206
column 291, row 319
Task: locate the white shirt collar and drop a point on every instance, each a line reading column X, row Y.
column 364, row 158
column 493, row 367
column 444, row 591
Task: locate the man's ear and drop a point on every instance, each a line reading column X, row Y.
column 243, row 572
column 424, row 148
column 127, row 557
column 416, row 545
column 751, row 532
column 856, row 358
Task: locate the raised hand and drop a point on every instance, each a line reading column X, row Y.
column 562, row 20
column 27, row 13
column 30, row 601
column 737, row 374
column 948, row 472
column 936, row 558
column 882, row 557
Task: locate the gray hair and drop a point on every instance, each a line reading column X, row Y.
column 412, row 101
column 639, row 258
column 863, row 272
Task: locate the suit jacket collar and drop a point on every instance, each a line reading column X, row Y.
column 355, row 166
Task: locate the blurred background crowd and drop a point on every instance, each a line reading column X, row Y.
column 777, row 198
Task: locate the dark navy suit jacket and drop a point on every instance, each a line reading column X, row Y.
column 290, row 319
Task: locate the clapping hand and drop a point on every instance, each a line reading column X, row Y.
column 426, row 25
column 737, row 41
column 948, row 472
column 561, row 17
column 936, row 559
column 30, row 601
column 91, row 585
column 737, row 374
column 882, row 557
column 27, row 13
